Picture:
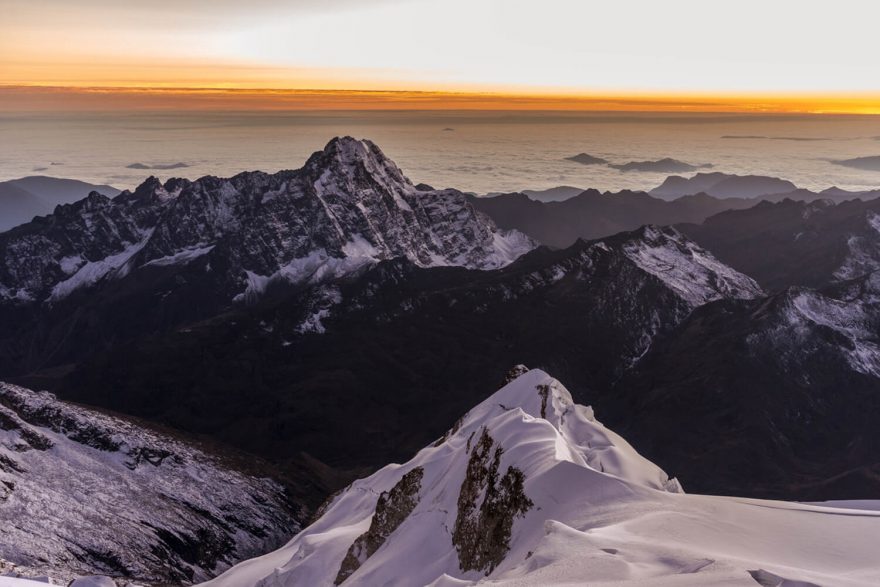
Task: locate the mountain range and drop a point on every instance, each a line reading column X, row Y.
column 593, row 214
column 365, row 372
column 67, row 280
column 559, row 216
column 335, row 318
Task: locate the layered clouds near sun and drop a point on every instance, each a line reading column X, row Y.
column 574, row 46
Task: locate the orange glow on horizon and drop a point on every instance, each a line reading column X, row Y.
column 40, row 97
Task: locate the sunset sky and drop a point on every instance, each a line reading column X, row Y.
column 564, row 54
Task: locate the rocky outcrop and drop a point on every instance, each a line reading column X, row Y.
column 392, row 508
column 487, row 506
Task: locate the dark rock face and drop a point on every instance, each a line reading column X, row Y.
column 796, row 243
column 774, row 398
column 407, row 349
column 514, row 372
column 488, row 504
column 392, row 508
column 544, row 392
column 54, row 417
column 592, row 214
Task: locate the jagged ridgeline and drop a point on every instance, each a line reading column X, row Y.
column 200, row 247
column 349, row 205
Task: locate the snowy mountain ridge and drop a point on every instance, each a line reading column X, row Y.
column 529, row 489
column 349, row 206
column 457, row 503
column 845, row 317
column 624, row 272
column 83, row 493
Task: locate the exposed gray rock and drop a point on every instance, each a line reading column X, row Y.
column 483, row 527
column 392, row 508
column 514, row 372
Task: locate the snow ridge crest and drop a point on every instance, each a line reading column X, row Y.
column 469, row 506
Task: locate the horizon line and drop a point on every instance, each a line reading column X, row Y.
column 31, row 97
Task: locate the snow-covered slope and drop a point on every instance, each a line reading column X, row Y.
column 349, row 206
column 529, row 489
column 686, row 268
column 862, row 249
column 84, row 493
column 845, row 325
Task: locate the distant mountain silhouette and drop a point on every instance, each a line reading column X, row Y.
column 586, row 159
column 160, row 166
column 866, row 163
column 836, row 192
column 593, row 214
column 665, row 165
column 722, row 185
column 763, row 187
column 557, row 194
column 23, row 199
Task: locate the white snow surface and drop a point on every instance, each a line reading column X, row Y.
column 93, row 271
column 182, row 257
column 601, row 515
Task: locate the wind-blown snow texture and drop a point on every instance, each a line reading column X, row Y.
column 349, row 206
column 566, row 501
column 84, row 493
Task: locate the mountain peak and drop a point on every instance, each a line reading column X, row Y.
column 348, row 207
column 474, row 503
column 351, row 162
column 688, row 269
